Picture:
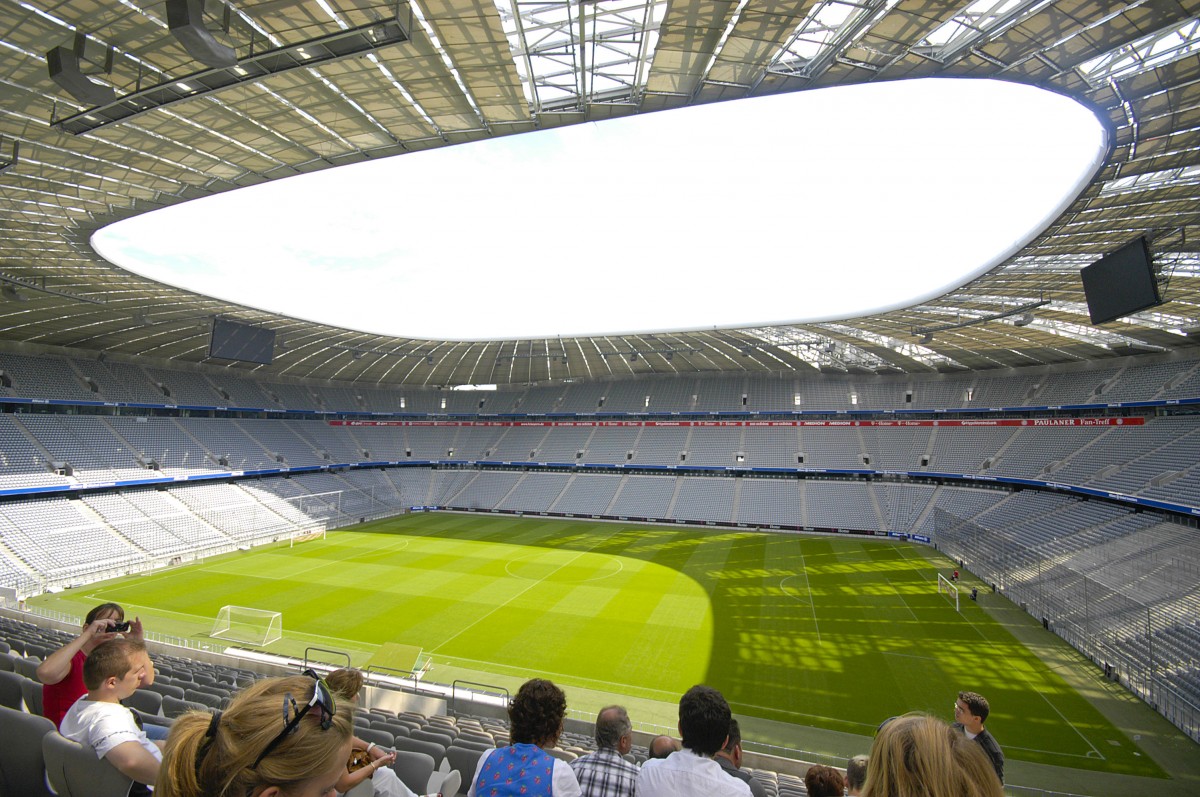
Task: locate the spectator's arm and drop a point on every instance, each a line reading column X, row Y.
column 351, row 779
column 134, row 761
column 58, row 664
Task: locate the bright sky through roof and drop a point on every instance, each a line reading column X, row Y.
column 810, row 206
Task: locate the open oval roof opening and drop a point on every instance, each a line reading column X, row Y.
column 811, row 206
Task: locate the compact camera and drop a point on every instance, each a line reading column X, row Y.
column 120, row 627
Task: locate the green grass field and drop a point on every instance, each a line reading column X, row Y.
column 834, row 633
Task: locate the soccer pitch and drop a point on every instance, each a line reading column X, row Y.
column 835, row 633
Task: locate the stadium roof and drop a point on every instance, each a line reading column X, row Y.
column 141, row 117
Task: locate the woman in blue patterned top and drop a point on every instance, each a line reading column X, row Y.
column 524, row 768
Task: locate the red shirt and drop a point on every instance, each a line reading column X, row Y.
column 58, row 698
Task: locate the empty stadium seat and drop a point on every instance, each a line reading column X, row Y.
column 426, row 734
column 31, row 692
column 166, row 690
column 145, row 701
column 22, row 765
column 75, row 771
column 432, row 749
column 174, row 707
column 378, row 736
column 465, row 761
column 11, row 694
column 27, row 667
column 202, row 698
column 414, row 768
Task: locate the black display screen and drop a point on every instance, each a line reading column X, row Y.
column 1121, row 283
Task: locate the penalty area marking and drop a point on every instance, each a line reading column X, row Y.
column 1094, row 752
column 523, row 559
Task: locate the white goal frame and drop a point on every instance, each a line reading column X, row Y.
column 306, row 535
column 947, row 586
column 238, row 624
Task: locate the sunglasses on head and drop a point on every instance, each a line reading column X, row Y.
column 322, row 698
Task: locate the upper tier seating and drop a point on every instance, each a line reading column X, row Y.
column 1129, row 379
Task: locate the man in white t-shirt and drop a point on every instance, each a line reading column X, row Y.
column 113, row 672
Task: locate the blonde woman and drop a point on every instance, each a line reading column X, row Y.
column 918, row 755
column 346, row 684
column 279, row 736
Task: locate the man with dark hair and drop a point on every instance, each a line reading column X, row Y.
column 704, row 725
column 606, row 773
column 970, row 711
column 730, row 759
column 856, row 775
column 114, row 671
column 662, row 746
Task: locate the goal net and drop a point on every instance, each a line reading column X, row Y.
column 252, row 626
column 947, row 587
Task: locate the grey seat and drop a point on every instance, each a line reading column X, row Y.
column 201, row 698
column 472, row 744
column 414, row 769
column 475, row 736
column 465, row 761
column 432, row 749
column 427, row 735
column 173, row 707
column 377, row 735
column 11, row 694
column 27, row 667
column 75, row 771
column 8, row 662
column 22, row 767
column 392, row 727
column 145, row 701
column 31, row 691
column 166, row 690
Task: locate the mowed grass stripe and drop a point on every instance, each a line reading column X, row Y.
column 835, row 632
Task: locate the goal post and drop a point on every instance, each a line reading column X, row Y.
column 306, row 535
column 248, row 625
column 948, row 587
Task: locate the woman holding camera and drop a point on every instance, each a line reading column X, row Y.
column 61, row 673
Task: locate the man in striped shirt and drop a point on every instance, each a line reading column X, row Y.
column 606, row 773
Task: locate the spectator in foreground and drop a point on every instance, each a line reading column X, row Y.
column 823, row 781
column 918, row 755
column 730, row 759
column 346, row 684
column 253, row 749
column 61, row 674
column 524, row 768
column 662, row 746
column 704, row 725
column 856, row 775
column 112, row 672
column 606, row 773
column 970, row 711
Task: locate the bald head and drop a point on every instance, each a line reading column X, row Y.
column 613, row 730
column 662, row 746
